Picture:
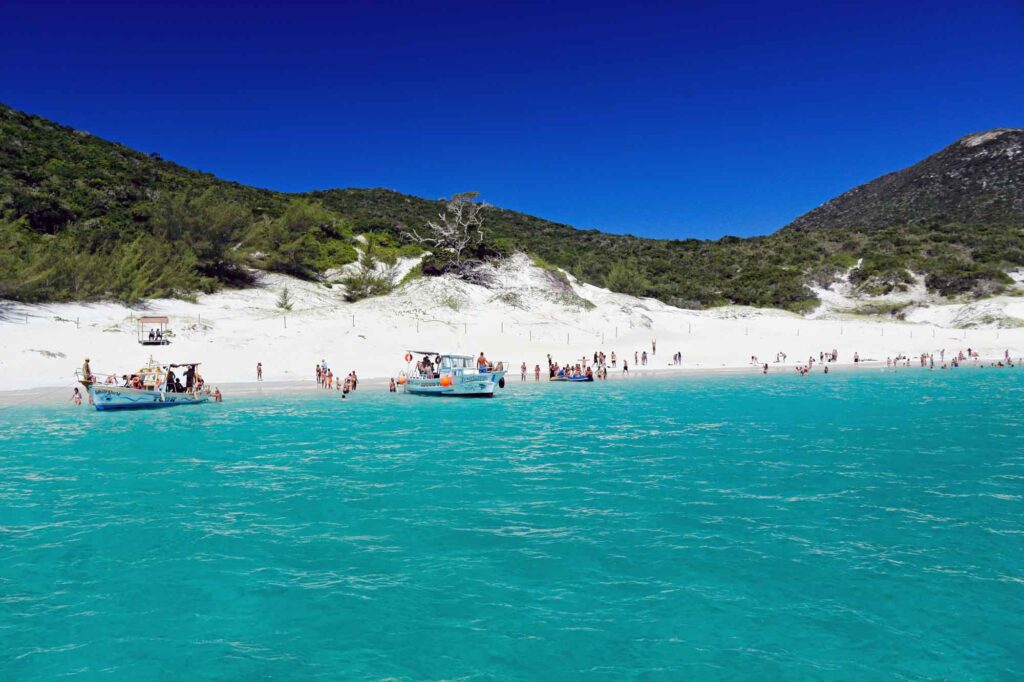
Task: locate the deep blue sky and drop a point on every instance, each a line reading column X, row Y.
column 672, row 119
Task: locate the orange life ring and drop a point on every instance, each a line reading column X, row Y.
column 401, row 380
column 408, row 357
column 446, row 381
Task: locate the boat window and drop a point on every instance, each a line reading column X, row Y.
column 446, row 363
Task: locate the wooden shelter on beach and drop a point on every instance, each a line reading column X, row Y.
column 153, row 330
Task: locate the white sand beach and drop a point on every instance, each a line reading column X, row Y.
column 527, row 314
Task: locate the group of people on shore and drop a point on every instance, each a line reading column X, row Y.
column 326, row 380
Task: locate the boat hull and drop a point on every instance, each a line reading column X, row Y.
column 106, row 398
column 463, row 386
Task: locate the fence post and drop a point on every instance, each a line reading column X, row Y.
column 353, row 320
column 285, row 321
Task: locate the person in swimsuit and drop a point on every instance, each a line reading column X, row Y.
column 259, row 371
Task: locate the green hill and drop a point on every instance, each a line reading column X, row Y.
column 82, row 218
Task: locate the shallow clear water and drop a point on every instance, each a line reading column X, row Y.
column 858, row 525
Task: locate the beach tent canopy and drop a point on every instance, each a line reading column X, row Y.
column 148, row 321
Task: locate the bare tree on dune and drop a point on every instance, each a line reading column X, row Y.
column 454, row 236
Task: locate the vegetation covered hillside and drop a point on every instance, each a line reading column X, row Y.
column 85, row 219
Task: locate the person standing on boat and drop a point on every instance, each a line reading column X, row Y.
column 481, row 362
column 86, row 370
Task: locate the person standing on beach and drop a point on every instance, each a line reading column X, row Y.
column 536, row 372
column 654, row 347
column 522, row 371
column 613, row 359
column 259, row 371
column 625, row 367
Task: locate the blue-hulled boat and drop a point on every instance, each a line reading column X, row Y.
column 454, row 376
column 153, row 386
column 583, row 378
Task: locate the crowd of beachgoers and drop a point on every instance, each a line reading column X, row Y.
column 597, row 365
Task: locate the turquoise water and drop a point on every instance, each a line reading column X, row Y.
column 851, row 526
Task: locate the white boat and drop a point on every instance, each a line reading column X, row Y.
column 455, row 376
column 152, row 386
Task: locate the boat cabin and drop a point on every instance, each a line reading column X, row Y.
column 457, row 362
column 153, row 330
